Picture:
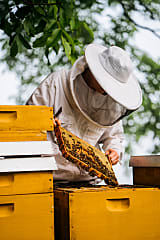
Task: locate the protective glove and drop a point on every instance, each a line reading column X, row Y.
column 113, row 156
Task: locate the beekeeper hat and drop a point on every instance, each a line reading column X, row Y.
column 113, row 70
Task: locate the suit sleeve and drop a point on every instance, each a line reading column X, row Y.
column 44, row 93
column 113, row 138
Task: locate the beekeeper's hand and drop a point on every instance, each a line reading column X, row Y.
column 113, row 156
column 56, row 122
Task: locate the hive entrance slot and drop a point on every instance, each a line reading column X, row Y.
column 7, row 116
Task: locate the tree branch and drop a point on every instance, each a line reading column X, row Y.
column 145, row 28
column 31, row 3
column 137, row 24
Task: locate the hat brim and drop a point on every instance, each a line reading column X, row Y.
column 128, row 94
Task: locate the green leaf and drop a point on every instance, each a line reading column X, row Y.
column 40, row 42
column 46, row 54
column 67, row 47
column 69, row 38
column 40, row 10
column 51, row 1
column 73, row 59
column 6, row 26
column 54, row 37
column 88, row 30
column 52, row 12
column 24, row 42
column 40, row 27
column 62, row 17
column 55, row 11
column 14, row 48
column 56, row 47
column 50, row 25
column 73, row 23
column 28, row 27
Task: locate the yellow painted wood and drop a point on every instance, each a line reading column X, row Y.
column 19, row 117
column 108, row 213
column 16, row 136
column 27, row 217
column 26, row 182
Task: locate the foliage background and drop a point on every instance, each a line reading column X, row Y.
column 40, row 36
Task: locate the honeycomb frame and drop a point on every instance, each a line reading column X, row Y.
column 85, row 155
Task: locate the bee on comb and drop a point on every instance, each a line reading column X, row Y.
column 85, row 155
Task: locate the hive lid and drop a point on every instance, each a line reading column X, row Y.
column 145, row 161
column 27, row 164
column 30, row 148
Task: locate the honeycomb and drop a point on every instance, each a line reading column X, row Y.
column 85, row 155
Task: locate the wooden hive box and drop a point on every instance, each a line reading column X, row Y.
column 25, row 123
column 146, row 170
column 107, row 213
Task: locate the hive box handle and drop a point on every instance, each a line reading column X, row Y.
column 6, row 180
column 8, row 116
column 6, row 209
column 117, row 204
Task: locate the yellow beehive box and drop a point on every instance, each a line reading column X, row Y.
column 107, row 213
column 18, row 136
column 27, row 217
column 26, row 118
column 26, row 182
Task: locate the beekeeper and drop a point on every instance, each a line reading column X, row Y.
column 94, row 95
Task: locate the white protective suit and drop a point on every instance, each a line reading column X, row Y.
column 85, row 113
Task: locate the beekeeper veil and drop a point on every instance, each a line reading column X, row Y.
column 113, row 70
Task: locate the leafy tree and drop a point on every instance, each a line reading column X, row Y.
column 40, row 36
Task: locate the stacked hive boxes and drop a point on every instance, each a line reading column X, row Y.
column 26, row 173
